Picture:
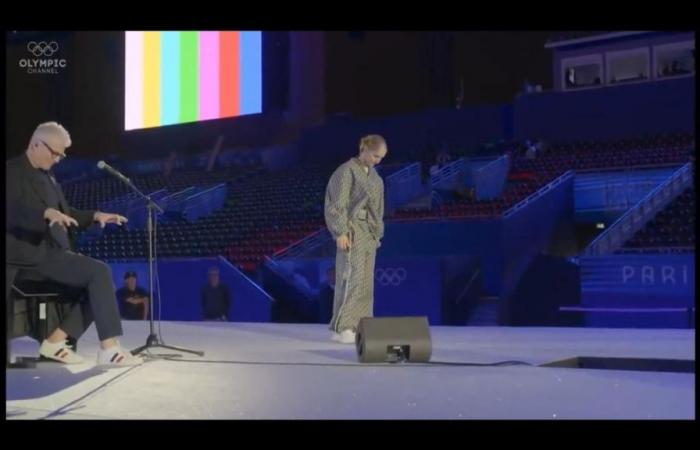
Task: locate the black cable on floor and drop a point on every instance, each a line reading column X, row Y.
column 358, row 364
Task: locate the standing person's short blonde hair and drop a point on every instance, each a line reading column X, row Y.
column 372, row 142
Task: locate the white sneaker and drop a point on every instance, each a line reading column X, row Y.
column 117, row 356
column 60, row 351
column 346, row 337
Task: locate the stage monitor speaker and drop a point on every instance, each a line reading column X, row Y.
column 393, row 339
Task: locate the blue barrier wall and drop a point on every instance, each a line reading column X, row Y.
column 664, row 281
column 181, row 281
column 429, row 286
column 408, row 287
column 477, row 237
column 472, row 166
column 638, row 280
column 402, row 186
column 490, row 180
column 529, row 230
column 548, row 283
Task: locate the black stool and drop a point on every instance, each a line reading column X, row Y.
column 35, row 308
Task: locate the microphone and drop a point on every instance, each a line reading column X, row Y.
column 104, row 166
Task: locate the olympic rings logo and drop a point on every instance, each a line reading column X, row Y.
column 42, row 48
column 390, row 276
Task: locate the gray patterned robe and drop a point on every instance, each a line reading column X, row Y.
column 354, row 206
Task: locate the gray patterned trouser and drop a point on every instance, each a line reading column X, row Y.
column 354, row 279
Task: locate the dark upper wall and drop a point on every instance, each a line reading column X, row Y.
column 665, row 106
column 87, row 97
column 377, row 73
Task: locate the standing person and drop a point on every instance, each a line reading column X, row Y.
column 216, row 298
column 354, row 210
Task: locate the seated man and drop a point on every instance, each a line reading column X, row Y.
column 133, row 299
column 38, row 232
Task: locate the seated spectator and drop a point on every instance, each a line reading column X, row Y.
column 133, row 299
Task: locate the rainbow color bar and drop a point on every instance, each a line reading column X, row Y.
column 186, row 76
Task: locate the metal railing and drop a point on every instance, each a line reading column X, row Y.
column 538, row 193
column 637, row 216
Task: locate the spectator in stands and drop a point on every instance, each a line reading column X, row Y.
column 170, row 164
column 354, row 213
column 216, row 298
column 465, row 193
column 542, row 147
column 570, row 77
column 325, row 297
column 133, row 299
column 443, row 158
column 531, row 152
column 429, row 155
column 38, row 234
column 675, row 67
column 434, row 169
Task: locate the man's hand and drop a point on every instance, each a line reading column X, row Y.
column 56, row 216
column 105, row 218
column 343, row 242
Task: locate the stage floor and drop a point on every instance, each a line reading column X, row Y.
column 288, row 371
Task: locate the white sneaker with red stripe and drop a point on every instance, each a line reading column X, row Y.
column 60, row 351
column 117, row 356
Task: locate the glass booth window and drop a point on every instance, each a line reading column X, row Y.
column 582, row 75
column 674, row 62
column 628, row 67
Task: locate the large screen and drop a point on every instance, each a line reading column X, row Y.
column 176, row 77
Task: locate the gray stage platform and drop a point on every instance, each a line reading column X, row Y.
column 283, row 371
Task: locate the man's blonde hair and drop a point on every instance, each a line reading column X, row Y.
column 52, row 129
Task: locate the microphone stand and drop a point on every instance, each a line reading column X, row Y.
column 152, row 341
